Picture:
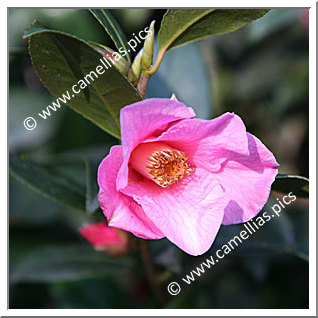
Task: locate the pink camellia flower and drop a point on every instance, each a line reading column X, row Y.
column 179, row 177
column 104, row 238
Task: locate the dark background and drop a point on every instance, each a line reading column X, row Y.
column 259, row 72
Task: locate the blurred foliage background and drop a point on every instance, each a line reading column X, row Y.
column 259, row 72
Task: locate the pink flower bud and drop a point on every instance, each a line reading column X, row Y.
column 104, row 238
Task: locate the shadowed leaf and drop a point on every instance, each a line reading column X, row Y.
column 53, row 186
column 67, row 263
column 290, row 183
column 62, row 61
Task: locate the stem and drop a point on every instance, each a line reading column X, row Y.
column 151, row 275
column 144, row 77
column 157, row 63
column 142, row 84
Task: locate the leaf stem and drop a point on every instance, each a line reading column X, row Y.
column 142, row 84
column 154, row 68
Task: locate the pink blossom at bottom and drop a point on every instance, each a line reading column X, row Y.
column 104, row 238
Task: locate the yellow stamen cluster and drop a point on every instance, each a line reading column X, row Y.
column 168, row 167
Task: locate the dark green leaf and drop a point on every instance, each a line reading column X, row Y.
column 175, row 22
column 112, row 27
column 62, row 60
column 290, row 183
column 182, row 26
column 66, row 263
column 45, row 182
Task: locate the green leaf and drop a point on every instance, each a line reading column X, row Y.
column 182, row 26
column 291, row 183
column 62, row 60
column 42, row 180
column 66, row 263
column 92, row 203
column 175, row 22
column 217, row 23
column 113, row 29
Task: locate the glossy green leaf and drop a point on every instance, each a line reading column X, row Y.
column 182, row 26
column 51, row 185
column 66, row 263
column 112, row 27
column 62, row 60
column 290, row 183
column 175, row 22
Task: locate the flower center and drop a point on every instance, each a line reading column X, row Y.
column 161, row 163
column 168, row 166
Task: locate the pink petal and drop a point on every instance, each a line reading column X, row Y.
column 147, row 118
column 207, row 142
column 187, row 213
column 246, row 180
column 120, row 210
